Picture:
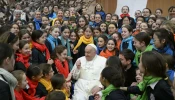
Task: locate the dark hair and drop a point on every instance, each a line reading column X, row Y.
column 149, row 10
column 143, row 37
column 128, row 54
column 36, row 34
column 159, row 9
column 154, row 64
column 128, row 27
column 72, row 18
column 23, row 32
column 170, row 61
column 162, row 19
column 115, row 49
column 115, row 16
column 153, row 18
column 58, row 50
column 114, row 61
column 140, row 17
column 171, row 8
column 104, row 37
column 115, row 24
column 33, row 70
column 57, row 81
column 149, row 31
column 22, row 43
column 45, row 68
column 106, row 26
column 56, row 95
column 127, row 7
column 113, row 76
column 64, row 27
column 168, row 36
column 5, row 51
column 96, row 10
column 86, row 22
column 126, row 17
column 97, row 28
column 119, row 35
column 4, row 29
column 74, row 31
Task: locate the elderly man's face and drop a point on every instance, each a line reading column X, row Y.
column 89, row 53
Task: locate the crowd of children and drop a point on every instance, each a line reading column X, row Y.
column 140, row 53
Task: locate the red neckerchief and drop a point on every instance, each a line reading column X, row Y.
column 62, row 69
column 42, row 48
column 123, row 15
column 32, row 87
column 23, row 59
column 18, row 95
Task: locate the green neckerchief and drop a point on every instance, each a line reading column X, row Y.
column 143, row 85
column 108, row 90
column 138, row 53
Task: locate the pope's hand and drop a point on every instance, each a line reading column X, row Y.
column 95, row 90
column 78, row 64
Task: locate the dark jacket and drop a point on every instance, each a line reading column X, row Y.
column 38, row 57
column 5, row 93
column 161, row 91
column 41, row 90
column 20, row 66
column 49, row 47
column 116, row 95
column 130, row 76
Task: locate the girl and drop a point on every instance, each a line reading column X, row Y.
column 84, row 40
column 103, row 27
column 108, row 18
column 110, row 49
column 44, row 85
column 34, row 74
column 52, row 40
column 102, row 39
column 127, row 42
column 99, row 10
column 143, row 26
column 125, row 21
column 23, row 56
column 57, row 23
column 80, row 32
column 65, row 42
column 159, row 12
column 154, row 26
column 24, row 34
column 91, row 19
column 10, row 39
column 164, row 42
column 30, row 24
column 117, row 36
column 112, row 28
column 151, row 20
column 73, row 41
column 146, row 13
column 112, row 79
column 15, row 29
column 60, row 63
column 97, row 33
column 59, row 84
column 54, row 12
column 82, row 22
column 20, row 94
column 154, row 84
column 40, row 53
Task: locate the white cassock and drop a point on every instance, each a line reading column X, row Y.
column 87, row 77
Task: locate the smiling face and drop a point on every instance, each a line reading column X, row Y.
column 42, row 39
column 139, row 76
column 25, row 50
column 62, row 57
column 55, row 32
column 82, row 22
column 110, row 45
column 26, row 37
column 111, row 29
column 143, row 26
column 66, row 34
column 125, row 33
column 101, row 42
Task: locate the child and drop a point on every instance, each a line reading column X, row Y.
column 97, row 21
column 40, row 53
column 15, row 29
column 92, row 19
column 143, row 26
column 103, row 27
column 154, row 84
column 80, row 32
column 112, row 79
column 84, row 40
column 66, row 15
column 34, row 74
column 82, row 22
column 55, row 94
column 97, row 33
column 20, row 94
column 112, row 28
column 99, row 10
column 127, row 42
column 164, row 41
column 102, row 39
column 45, row 21
column 110, row 49
column 57, row 23
column 52, row 40
column 117, row 36
column 24, row 34
column 23, row 56
column 44, row 85
column 59, row 84
column 108, row 18
column 114, row 19
column 126, row 57
column 142, row 44
column 65, row 33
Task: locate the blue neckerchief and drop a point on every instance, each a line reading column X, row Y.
column 146, row 19
column 166, row 50
column 53, row 15
column 96, row 24
column 37, row 23
column 129, row 41
column 120, row 30
column 67, row 44
column 151, row 42
column 99, row 49
column 66, row 18
column 102, row 13
column 170, row 74
column 53, row 41
column 91, row 23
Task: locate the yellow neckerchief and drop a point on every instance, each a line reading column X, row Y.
column 65, row 93
column 85, row 41
column 30, row 44
column 47, row 84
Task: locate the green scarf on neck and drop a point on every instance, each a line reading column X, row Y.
column 138, row 53
column 108, row 90
column 147, row 80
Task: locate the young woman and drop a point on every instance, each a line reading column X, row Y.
column 24, row 34
column 102, row 39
